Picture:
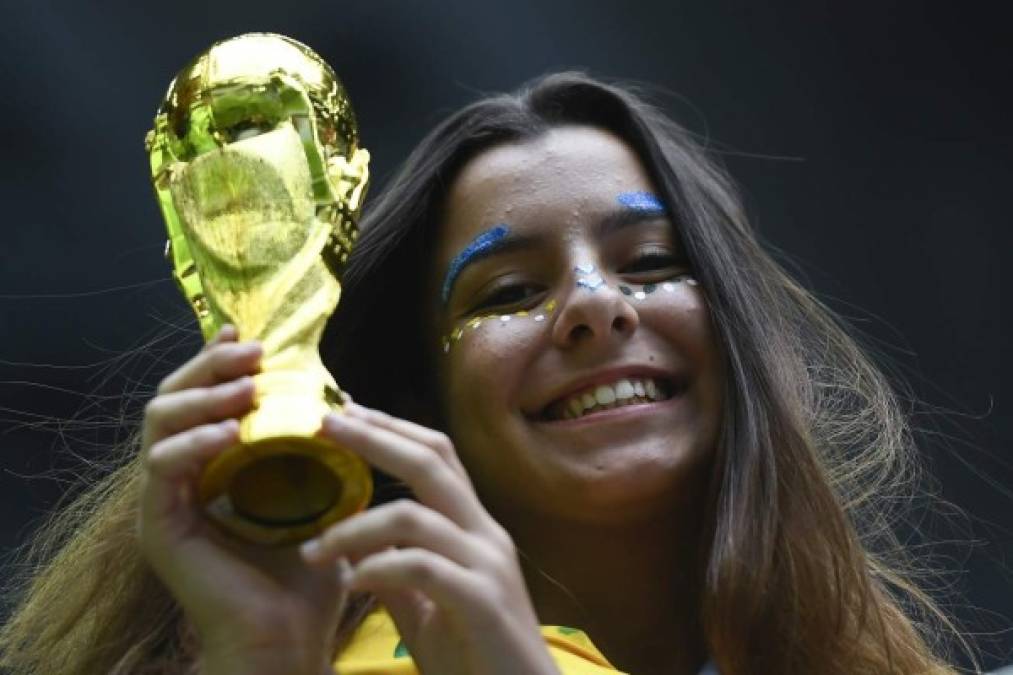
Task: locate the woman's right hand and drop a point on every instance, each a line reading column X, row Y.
column 255, row 610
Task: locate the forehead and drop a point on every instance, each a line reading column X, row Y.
column 558, row 179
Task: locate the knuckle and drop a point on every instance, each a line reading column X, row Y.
column 503, row 539
column 405, row 516
column 443, row 444
column 375, row 415
column 497, row 538
column 214, row 358
column 423, row 468
column 206, row 435
column 217, row 356
column 154, row 458
column 422, row 571
column 217, row 393
column 500, row 563
column 166, row 385
column 154, row 409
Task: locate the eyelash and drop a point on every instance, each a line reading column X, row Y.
column 657, row 262
column 652, row 260
column 504, row 296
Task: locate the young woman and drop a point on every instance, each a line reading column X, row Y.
column 634, row 443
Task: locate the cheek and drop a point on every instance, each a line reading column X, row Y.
column 683, row 320
column 678, row 313
column 483, row 359
column 524, row 326
column 484, row 368
column 687, row 317
column 489, row 352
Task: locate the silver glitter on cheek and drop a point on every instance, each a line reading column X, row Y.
column 505, row 318
column 668, row 286
column 640, row 295
column 539, row 317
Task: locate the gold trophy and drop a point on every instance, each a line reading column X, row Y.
column 256, row 166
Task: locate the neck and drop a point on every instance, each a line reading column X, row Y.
column 633, row 587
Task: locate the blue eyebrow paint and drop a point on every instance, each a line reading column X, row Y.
column 641, row 201
column 483, row 243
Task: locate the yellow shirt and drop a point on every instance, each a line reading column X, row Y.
column 376, row 649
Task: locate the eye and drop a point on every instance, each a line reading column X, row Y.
column 509, row 296
column 653, row 264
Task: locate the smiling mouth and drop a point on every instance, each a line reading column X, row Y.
column 621, row 393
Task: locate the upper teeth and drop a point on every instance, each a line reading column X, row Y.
column 604, row 396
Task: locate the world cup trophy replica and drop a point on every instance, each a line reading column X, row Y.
column 256, row 166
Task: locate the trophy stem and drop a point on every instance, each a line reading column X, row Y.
column 283, row 483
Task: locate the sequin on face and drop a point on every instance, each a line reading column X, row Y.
column 644, row 290
column 539, row 315
column 483, row 244
column 588, row 277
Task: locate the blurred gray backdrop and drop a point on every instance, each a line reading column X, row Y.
column 872, row 141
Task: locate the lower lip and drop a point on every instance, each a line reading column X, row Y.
column 619, row 414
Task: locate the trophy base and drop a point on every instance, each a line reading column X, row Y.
column 284, row 490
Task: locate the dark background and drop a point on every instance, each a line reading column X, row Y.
column 872, row 141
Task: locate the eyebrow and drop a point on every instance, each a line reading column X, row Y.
column 641, row 200
column 479, row 247
column 637, row 207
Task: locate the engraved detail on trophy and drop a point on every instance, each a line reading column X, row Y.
column 256, row 166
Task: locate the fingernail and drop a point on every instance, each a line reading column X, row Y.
column 345, row 573
column 310, row 550
column 251, row 348
column 243, row 383
column 334, row 419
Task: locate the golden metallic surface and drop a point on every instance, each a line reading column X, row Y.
column 256, row 167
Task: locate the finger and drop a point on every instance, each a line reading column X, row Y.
column 177, row 411
column 176, row 462
column 449, row 585
column 401, row 524
column 227, row 333
column 215, row 364
column 408, row 608
column 436, row 440
column 435, row 484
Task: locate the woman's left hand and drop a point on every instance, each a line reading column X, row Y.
column 444, row 569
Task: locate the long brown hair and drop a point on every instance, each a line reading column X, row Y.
column 802, row 572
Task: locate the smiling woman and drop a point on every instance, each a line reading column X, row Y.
column 692, row 456
column 634, row 443
column 574, row 241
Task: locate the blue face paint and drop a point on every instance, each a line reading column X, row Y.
column 641, row 201
column 483, row 243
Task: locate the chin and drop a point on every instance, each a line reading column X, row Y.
column 615, row 486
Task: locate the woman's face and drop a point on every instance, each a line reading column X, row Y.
column 579, row 371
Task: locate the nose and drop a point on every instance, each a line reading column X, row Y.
column 593, row 313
